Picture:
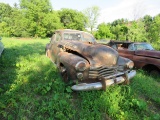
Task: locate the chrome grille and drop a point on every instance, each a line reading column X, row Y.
column 106, row 72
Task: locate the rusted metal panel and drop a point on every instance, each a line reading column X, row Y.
column 148, row 53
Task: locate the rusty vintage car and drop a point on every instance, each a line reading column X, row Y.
column 141, row 53
column 89, row 65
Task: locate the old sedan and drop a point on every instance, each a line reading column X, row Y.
column 86, row 63
column 1, row 47
column 141, row 53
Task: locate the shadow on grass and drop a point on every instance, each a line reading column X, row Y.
column 17, row 79
column 10, row 58
column 31, row 88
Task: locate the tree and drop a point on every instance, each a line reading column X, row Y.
column 119, row 22
column 124, row 30
column 137, row 31
column 92, row 14
column 120, row 29
column 116, row 30
column 5, row 10
column 5, row 13
column 19, row 24
column 72, row 19
column 147, row 19
column 38, row 14
column 103, row 31
column 154, row 32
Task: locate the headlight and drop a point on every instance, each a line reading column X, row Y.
column 80, row 76
column 130, row 64
column 80, row 66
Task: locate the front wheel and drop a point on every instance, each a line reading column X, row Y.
column 64, row 74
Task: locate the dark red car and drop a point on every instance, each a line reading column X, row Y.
column 141, row 53
column 86, row 63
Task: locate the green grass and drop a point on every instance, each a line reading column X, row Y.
column 31, row 88
column 156, row 46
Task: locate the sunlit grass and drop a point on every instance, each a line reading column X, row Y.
column 31, row 88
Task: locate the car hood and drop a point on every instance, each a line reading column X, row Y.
column 96, row 54
column 148, row 53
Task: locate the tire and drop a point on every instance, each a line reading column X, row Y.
column 154, row 73
column 64, row 74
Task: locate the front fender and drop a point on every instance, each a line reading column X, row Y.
column 70, row 60
column 122, row 63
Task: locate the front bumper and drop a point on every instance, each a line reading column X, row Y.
column 105, row 82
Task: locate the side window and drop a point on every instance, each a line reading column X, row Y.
column 66, row 36
column 58, row 37
column 131, row 47
column 53, row 38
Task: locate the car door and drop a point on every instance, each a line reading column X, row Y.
column 130, row 53
column 54, row 46
column 127, row 52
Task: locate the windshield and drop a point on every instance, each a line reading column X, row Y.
column 143, row 46
column 72, row 36
column 79, row 37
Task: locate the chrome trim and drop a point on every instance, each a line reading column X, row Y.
column 103, row 71
column 87, row 87
column 80, row 69
column 98, row 85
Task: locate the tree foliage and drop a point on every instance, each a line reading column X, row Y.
column 92, row 14
column 154, row 31
column 38, row 14
column 33, row 18
column 72, row 19
column 103, row 31
column 36, row 18
column 144, row 29
column 5, row 20
column 137, row 31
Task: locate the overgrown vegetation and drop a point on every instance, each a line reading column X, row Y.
column 37, row 18
column 31, row 88
column 144, row 29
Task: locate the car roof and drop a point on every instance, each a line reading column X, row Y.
column 71, row 30
column 126, row 42
column 68, row 30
